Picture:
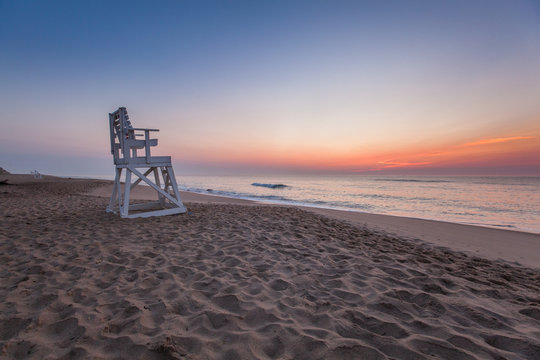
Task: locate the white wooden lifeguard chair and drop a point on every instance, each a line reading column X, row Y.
column 126, row 141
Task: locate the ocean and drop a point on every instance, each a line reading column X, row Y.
column 500, row 202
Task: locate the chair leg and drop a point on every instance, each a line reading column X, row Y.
column 116, row 190
column 172, row 180
column 127, row 189
column 165, row 180
column 161, row 198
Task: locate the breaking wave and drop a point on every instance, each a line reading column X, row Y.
column 270, row 186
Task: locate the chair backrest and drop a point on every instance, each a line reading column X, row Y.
column 125, row 142
column 120, row 127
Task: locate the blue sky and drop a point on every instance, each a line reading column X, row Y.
column 315, row 86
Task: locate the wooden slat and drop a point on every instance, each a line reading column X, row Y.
column 158, row 213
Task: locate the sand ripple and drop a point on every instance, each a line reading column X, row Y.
column 244, row 282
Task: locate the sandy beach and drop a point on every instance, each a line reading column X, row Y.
column 235, row 279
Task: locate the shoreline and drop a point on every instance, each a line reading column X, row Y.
column 330, row 208
column 289, row 202
column 495, row 244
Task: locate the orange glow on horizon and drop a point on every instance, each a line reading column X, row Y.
column 509, row 150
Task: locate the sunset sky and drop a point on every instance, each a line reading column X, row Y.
column 368, row 87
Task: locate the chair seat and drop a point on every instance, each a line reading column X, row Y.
column 141, row 161
column 140, row 144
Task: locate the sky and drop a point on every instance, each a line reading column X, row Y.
column 271, row 87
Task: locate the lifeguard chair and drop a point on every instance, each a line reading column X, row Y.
column 126, row 143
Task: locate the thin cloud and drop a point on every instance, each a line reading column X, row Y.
column 498, row 140
column 390, row 164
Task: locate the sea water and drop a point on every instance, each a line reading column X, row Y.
column 500, row 202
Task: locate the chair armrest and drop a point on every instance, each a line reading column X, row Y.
column 143, row 129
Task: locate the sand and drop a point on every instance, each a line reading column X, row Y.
column 518, row 247
column 248, row 281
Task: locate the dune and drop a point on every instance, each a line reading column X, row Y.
column 240, row 280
